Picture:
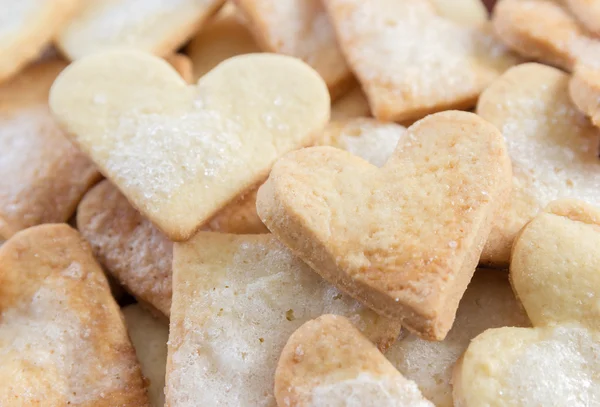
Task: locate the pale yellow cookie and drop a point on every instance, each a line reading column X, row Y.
column 149, row 337
column 554, row 272
column 62, row 337
column 179, row 152
column 553, row 148
column 467, row 12
column 584, row 90
column 135, row 252
column 42, row 175
column 404, row 239
column 411, row 61
column 300, row 28
column 544, row 31
column 27, row 27
column 489, row 302
column 182, row 64
column 223, row 37
column 351, row 104
column 587, row 12
column 367, row 138
column 327, row 362
column 236, row 301
column 159, row 27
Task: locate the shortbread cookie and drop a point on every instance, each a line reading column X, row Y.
column 42, row 176
column 404, row 239
column 223, row 37
column 149, row 337
column 584, row 90
column 62, row 337
column 553, row 148
column 26, row 28
column 544, row 31
column 489, row 302
column 411, row 61
column 352, row 104
column 134, row 251
column 158, row 27
column 467, row 12
column 236, row 301
column 369, row 139
column 183, row 65
column 300, row 28
column 328, row 362
column 180, row 153
column 554, row 271
column 587, row 12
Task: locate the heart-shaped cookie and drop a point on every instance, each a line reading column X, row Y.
column 236, row 301
column 554, row 271
column 328, row 362
column 26, row 27
column 411, row 61
column 300, row 28
column 553, row 148
column 404, row 239
column 180, row 153
column 159, row 27
column 62, row 337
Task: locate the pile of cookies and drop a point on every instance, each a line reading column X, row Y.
column 304, row 203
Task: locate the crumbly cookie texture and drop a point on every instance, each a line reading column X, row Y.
column 223, row 37
column 411, row 61
column 553, row 148
column 27, row 27
column 328, row 362
column 135, row 252
column 42, row 175
column 300, row 28
column 61, row 330
column 405, row 238
column 544, row 31
column 180, row 152
column 149, row 337
column 554, row 272
column 159, row 27
column 489, row 302
column 236, row 301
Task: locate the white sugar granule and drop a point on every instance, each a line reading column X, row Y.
column 375, row 142
column 265, row 294
column 562, row 370
column 367, row 390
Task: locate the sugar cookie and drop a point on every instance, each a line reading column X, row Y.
column 223, row 37
column 553, row 148
column 584, row 90
column 149, row 337
column 300, row 28
column 328, row 362
column 236, row 300
column 587, row 12
column 489, row 302
column 351, row 104
column 554, row 271
column 62, row 336
column 159, row 27
column 42, row 176
column 180, row 153
column 467, row 12
column 544, row 31
column 410, row 260
column 183, row 65
column 412, row 62
column 26, row 28
column 134, row 251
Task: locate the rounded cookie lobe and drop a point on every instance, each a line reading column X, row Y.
column 328, row 362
